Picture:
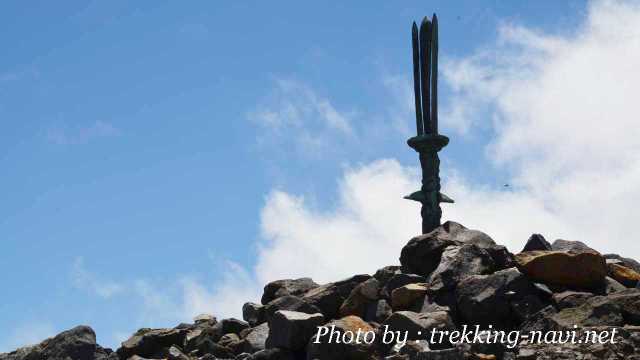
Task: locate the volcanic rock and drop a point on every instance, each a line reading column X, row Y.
column 378, row 311
column 399, row 280
column 78, row 343
column 292, row 330
column 458, row 262
column 150, row 343
column 418, row 325
column 536, row 242
column 624, row 275
column 329, row 297
column 573, row 268
column 359, row 298
column 256, row 339
column 290, row 303
column 253, row 313
column 405, row 297
column 279, row 288
column 323, row 349
column 503, row 299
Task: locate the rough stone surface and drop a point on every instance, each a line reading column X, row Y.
column 279, row 288
column 151, row 343
column 329, row 297
column 422, row 254
column 573, row 268
column 400, row 280
column 256, row 339
column 322, row 349
column 627, row 262
column 536, row 242
column 405, row 297
column 417, row 325
column 77, row 343
column 253, row 313
column 458, row 262
column 503, row 299
column 360, row 297
column 290, row 303
column 292, row 330
column 378, row 311
column 624, row 275
column 569, row 299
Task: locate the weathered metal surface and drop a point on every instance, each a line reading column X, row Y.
column 427, row 142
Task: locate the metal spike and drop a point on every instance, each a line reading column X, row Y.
column 434, row 75
column 416, row 78
column 425, row 69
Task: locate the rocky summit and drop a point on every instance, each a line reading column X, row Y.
column 449, row 280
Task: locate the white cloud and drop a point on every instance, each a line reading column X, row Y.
column 564, row 113
column 65, row 135
column 294, row 113
column 365, row 230
column 84, row 279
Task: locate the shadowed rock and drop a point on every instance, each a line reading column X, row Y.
column 279, row 288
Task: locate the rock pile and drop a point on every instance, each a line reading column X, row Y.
column 448, row 280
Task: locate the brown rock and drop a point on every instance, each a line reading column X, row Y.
column 573, row 268
column 623, row 275
column 323, row 349
column 404, row 297
column 359, row 299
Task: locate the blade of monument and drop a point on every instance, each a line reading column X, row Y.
column 425, row 68
column 416, row 77
column 434, row 74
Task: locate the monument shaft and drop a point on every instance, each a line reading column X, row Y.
column 427, row 142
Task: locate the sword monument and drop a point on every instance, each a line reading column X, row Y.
column 427, row 142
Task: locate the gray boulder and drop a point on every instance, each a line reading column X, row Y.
column 422, row 254
column 290, row 303
column 253, row 313
column 503, row 299
column 256, row 339
column 360, row 297
column 78, row 343
column 323, row 349
column 329, row 297
column 292, row 330
column 151, row 343
column 278, row 288
column 458, row 262
column 418, row 325
column 399, row 280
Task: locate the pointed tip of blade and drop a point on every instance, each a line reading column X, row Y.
column 425, row 22
column 414, row 27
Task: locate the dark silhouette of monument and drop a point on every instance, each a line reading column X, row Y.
column 427, row 142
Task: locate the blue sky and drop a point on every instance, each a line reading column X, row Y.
column 142, row 143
